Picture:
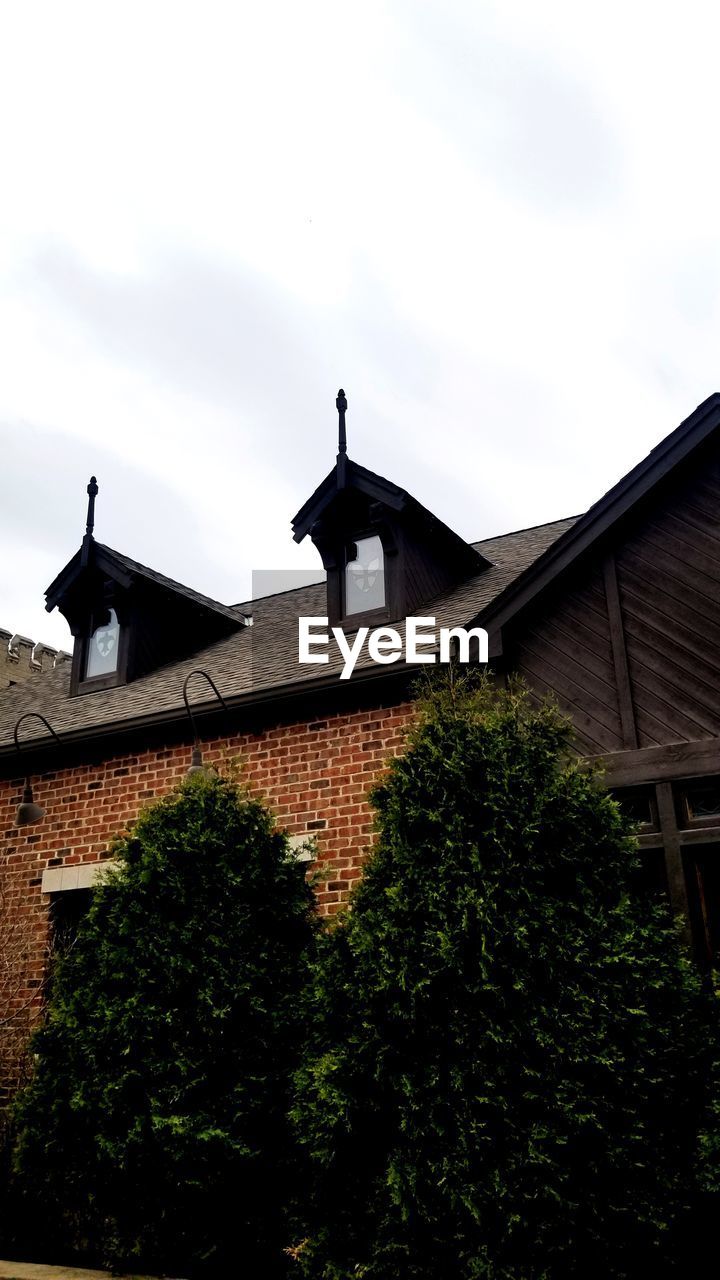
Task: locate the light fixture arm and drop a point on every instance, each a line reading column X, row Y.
column 28, row 811
column 33, row 715
column 199, row 672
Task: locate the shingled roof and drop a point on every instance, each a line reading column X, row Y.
column 134, row 569
column 254, row 663
column 259, row 663
column 347, row 475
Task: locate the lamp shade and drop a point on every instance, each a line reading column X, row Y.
column 28, row 811
column 196, row 764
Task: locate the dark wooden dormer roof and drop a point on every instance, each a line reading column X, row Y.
column 126, row 573
column 145, row 618
column 348, row 477
column 420, row 556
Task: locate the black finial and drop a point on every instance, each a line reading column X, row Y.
column 92, row 491
column 341, row 406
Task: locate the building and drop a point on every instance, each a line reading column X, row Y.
column 22, row 658
column 616, row 613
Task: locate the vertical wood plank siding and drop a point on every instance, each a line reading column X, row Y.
column 566, row 649
column 669, row 583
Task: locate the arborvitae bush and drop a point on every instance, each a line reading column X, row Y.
column 509, row 1051
column 155, row 1130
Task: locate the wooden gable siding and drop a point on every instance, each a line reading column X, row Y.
column 668, row 574
column 566, row 649
column 426, row 574
column 630, row 647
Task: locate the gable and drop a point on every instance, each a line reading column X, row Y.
column 611, row 513
column 629, row 640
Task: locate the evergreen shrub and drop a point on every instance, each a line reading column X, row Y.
column 155, row 1131
column 506, row 1078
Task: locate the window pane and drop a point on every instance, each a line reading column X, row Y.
column 637, row 803
column 102, row 655
column 702, row 867
column 365, row 577
column 703, row 799
column 66, row 911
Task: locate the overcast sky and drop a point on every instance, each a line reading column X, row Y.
column 496, row 225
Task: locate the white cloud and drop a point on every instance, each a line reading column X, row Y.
column 495, row 225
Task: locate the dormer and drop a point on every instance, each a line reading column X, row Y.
column 385, row 554
column 128, row 620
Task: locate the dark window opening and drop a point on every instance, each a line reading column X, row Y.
column 700, row 803
column 639, row 805
column 66, row 911
column 702, row 873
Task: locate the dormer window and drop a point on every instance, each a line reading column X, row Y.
column 127, row 619
column 102, row 652
column 385, row 555
column 365, row 576
column 103, row 646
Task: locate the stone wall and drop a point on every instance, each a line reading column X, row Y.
column 22, row 658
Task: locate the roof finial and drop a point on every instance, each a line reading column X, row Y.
column 92, row 491
column 341, row 405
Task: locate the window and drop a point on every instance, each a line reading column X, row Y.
column 365, row 576
column 66, row 912
column 639, row 804
column 101, row 653
column 702, row 871
column 103, row 646
column 700, row 803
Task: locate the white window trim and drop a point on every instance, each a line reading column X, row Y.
column 80, row 876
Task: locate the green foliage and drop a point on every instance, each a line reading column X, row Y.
column 154, row 1133
column 507, row 1071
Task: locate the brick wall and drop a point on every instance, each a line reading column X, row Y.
column 315, row 776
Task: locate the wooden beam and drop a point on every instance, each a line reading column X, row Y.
column 622, row 670
column 674, row 867
column 649, row 840
column 657, row 764
column 700, row 835
column 690, row 836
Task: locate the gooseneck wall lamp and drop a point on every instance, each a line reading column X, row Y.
column 196, row 764
column 28, row 811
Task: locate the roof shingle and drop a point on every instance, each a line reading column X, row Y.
column 261, row 658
